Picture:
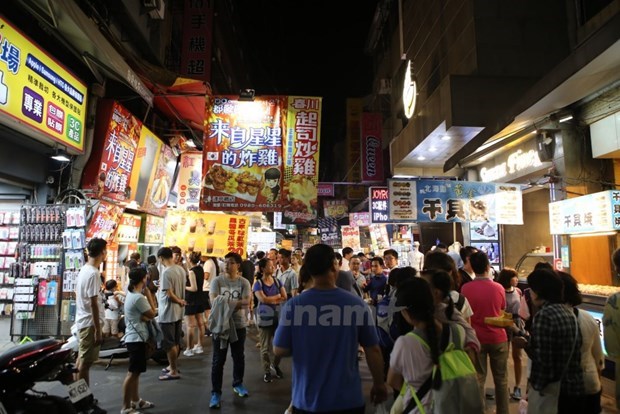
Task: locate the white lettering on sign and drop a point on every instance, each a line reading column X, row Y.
column 516, row 162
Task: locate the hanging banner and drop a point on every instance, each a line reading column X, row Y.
column 262, row 156
column 158, row 192
column 105, row 221
column 379, row 238
column 118, row 133
column 351, row 238
column 188, row 182
column 325, row 190
column 359, row 219
column 372, row 147
column 153, row 230
column 446, row 201
column 129, row 229
column 261, row 241
column 209, row 233
column 145, row 165
column 591, row 213
column 38, row 92
column 378, row 199
column 197, row 40
column 329, row 232
column 335, row 208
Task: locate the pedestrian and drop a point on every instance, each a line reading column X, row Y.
column 171, row 300
column 509, row 278
column 89, row 310
column 211, row 271
column 611, row 326
column 270, row 294
column 377, row 281
column 287, row 276
column 318, row 385
column 114, row 299
column 153, row 274
column 232, row 291
column 138, row 311
column 554, row 345
column 194, row 308
column 487, row 299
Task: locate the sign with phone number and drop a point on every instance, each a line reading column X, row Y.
column 37, row 91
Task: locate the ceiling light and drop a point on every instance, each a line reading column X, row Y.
column 566, row 118
column 446, row 138
column 421, row 158
column 61, row 155
column 432, row 149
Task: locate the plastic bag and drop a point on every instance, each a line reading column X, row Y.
column 381, row 409
column 523, row 406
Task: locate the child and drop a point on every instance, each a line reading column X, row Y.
column 113, row 303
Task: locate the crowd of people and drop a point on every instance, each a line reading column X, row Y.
column 354, row 307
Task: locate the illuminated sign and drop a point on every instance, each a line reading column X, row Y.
column 38, row 92
column 591, row 213
column 379, row 205
column 410, row 92
column 129, row 229
column 516, row 162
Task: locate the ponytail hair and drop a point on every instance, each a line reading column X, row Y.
column 262, row 264
column 442, row 281
column 136, row 275
column 416, row 295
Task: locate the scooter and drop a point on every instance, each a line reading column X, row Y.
column 44, row 360
column 111, row 348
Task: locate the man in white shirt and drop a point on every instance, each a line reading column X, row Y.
column 416, row 257
column 89, row 307
column 347, row 253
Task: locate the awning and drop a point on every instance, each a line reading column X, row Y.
column 592, row 66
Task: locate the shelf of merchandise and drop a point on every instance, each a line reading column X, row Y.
column 9, row 236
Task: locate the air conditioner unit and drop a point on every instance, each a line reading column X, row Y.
column 159, row 12
column 385, row 86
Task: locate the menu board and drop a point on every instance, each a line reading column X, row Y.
column 351, row 237
column 188, row 182
column 129, row 229
column 335, row 208
column 153, row 229
column 35, row 90
column 209, row 233
column 262, row 156
column 105, row 221
column 359, row 219
column 590, row 213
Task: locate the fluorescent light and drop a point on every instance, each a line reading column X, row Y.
column 566, row 118
column 432, row 149
column 421, row 158
column 61, row 155
column 602, row 233
column 446, row 138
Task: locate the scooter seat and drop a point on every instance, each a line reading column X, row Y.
column 27, row 350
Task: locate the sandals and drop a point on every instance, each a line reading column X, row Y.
column 142, row 404
column 169, row 377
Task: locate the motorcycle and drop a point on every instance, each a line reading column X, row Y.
column 40, row 361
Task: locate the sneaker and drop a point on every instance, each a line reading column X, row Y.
column 216, row 399
column 267, row 377
column 278, row 371
column 241, row 391
column 188, row 353
column 516, row 395
column 198, row 350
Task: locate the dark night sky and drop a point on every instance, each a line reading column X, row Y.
column 313, row 48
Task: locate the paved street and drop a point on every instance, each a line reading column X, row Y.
column 191, row 393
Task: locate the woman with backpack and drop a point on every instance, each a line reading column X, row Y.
column 270, row 294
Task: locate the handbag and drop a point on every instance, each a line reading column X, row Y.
column 545, row 401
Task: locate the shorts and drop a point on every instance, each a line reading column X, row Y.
column 137, row 357
column 88, row 351
column 206, row 302
column 110, row 326
column 173, row 332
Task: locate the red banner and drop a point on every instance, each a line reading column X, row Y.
column 197, row 39
column 105, row 221
column 262, row 155
column 372, row 148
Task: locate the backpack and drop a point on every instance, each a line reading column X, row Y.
column 388, row 328
column 265, row 319
column 459, row 391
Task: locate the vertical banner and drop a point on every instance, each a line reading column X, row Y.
column 355, row 108
column 209, row 233
column 330, row 232
column 105, row 222
column 372, row 147
column 351, row 238
column 262, row 156
column 159, row 190
column 197, row 40
column 145, row 165
column 188, row 182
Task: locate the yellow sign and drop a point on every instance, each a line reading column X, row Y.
column 208, row 233
column 37, row 91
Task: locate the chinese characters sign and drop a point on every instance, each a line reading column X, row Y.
column 329, row 232
column 359, row 219
column 129, row 229
column 153, row 230
column 351, row 237
column 262, row 156
column 379, row 199
column 38, row 92
column 372, row 148
column 208, row 233
column 105, row 221
column 197, row 39
column 188, row 183
column 449, row 201
column 335, row 208
column 590, row 213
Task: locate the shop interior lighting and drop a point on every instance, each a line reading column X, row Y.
column 602, row 233
column 421, row 158
column 61, row 155
column 432, row 149
column 566, row 118
column 446, row 138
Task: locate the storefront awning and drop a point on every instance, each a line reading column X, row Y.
column 591, row 67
